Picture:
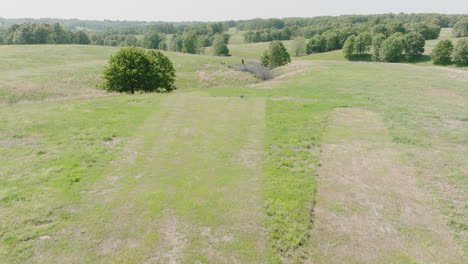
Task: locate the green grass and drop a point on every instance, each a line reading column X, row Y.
column 44, row 72
column 251, row 51
column 100, row 180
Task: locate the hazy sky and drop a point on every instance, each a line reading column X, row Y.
column 216, row 10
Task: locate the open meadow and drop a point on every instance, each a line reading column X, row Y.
column 331, row 161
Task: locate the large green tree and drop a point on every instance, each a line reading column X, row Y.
column 460, row 29
column 414, row 45
column 151, row 40
column 460, row 52
column 315, row 44
column 377, row 41
column 442, row 52
column 276, row 55
column 348, row 47
column 81, row 37
column 392, row 48
column 134, row 69
column 190, row 42
column 362, row 43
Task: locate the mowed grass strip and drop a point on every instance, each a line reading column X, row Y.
column 292, row 156
column 189, row 191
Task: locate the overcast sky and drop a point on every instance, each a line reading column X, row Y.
column 217, row 10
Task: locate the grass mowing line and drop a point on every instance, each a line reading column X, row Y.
column 370, row 207
column 292, row 149
column 192, row 193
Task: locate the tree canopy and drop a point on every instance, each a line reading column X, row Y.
column 460, row 52
column 442, row 52
column 276, row 55
column 134, row 69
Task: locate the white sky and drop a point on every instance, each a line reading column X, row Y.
column 217, row 10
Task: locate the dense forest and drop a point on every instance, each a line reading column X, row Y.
column 362, row 32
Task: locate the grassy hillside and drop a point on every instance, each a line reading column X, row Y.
column 202, row 175
column 45, row 72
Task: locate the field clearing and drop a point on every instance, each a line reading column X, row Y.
column 201, row 175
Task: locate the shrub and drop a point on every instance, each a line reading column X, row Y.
column 442, row 52
column 392, row 48
column 134, row 69
column 257, row 70
column 276, row 55
column 460, row 52
column 220, row 46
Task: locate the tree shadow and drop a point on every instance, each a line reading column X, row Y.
column 420, row 59
column 363, row 57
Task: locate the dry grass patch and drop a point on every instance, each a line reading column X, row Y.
column 371, row 208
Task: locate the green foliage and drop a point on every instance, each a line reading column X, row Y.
column 460, row 52
column 348, row 47
column 177, row 43
column 299, row 46
column 190, row 43
column 442, row 52
column 460, row 29
column 315, row 44
column 152, row 40
column 131, row 41
column 80, row 37
column 163, row 45
column 33, row 33
column 427, row 30
column 377, row 41
column 220, row 46
column 396, row 26
column 414, row 45
column 276, row 55
column 134, row 69
column 362, row 43
column 380, row 29
column 270, row 34
column 43, row 33
column 62, row 36
column 332, row 41
column 392, row 48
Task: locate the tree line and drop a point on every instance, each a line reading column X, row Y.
column 428, row 25
column 42, row 33
column 189, row 39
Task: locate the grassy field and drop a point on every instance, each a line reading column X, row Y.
column 202, row 176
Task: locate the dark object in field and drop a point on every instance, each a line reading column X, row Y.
column 243, row 62
column 242, row 96
column 257, row 70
